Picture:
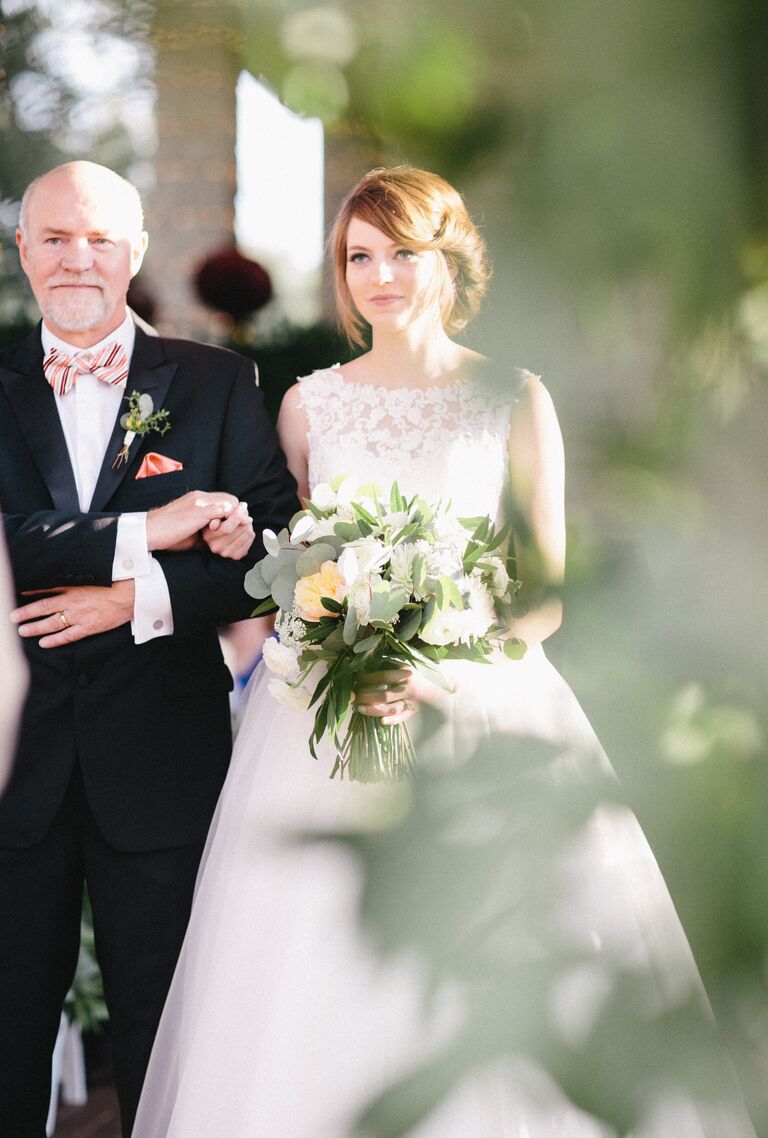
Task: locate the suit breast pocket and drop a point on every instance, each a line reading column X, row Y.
column 160, row 488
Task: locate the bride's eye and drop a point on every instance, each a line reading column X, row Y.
column 407, row 254
column 357, row 258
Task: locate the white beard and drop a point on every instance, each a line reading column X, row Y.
column 77, row 311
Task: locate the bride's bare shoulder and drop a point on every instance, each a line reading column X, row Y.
column 356, row 370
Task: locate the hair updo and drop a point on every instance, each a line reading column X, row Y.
column 423, row 212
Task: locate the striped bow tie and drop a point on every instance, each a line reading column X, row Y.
column 110, row 365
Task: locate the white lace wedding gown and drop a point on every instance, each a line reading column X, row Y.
column 282, row 1022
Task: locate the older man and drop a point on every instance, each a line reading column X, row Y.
column 129, row 547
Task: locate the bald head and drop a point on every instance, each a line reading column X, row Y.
column 90, row 181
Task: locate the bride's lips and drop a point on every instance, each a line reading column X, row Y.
column 387, row 298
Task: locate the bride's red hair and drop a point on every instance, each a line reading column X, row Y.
column 422, row 211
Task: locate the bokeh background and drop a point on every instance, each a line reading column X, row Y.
column 616, row 156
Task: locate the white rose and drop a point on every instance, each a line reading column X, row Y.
column 280, row 659
column 294, row 698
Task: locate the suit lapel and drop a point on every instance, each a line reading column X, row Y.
column 150, row 373
column 34, row 405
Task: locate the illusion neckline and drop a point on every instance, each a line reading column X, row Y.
column 456, row 385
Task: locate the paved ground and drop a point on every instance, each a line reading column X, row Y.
column 97, row 1119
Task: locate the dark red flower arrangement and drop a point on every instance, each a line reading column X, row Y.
column 228, row 282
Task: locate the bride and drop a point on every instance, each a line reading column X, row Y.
column 282, row 1020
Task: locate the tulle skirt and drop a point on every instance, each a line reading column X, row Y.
column 286, row 1020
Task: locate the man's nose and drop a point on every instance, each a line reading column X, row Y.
column 77, row 256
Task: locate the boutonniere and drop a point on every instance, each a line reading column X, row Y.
column 140, row 419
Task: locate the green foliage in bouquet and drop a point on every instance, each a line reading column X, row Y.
column 367, row 584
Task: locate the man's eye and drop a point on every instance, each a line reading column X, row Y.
column 101, row 241
column 52, row 240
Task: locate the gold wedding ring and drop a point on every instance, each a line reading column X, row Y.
column 64, row 620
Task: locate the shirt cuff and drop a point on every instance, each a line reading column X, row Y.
column 152, row 612
column 132, row 558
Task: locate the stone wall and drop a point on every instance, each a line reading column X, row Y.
column 190, row 210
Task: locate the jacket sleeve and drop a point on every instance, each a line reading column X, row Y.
column 205, row 588
column 51, row 548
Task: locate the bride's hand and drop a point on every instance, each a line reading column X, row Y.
column 394, row 696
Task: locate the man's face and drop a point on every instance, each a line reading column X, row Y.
column 81, row 247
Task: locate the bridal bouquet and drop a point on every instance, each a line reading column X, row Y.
column 363, row 583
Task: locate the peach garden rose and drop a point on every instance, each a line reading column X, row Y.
column 327, row 582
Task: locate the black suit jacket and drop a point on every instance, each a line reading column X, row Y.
column 148, row 723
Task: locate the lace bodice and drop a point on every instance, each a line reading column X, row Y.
column 441, row 442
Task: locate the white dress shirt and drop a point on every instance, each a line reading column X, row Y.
column 87, row 413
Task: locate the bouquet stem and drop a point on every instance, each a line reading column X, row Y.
column 375, row 752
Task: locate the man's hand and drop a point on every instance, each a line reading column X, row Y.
column 230, row 537
column 73, row 613
column 178, row 525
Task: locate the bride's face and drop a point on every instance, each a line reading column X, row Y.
column 390, row 284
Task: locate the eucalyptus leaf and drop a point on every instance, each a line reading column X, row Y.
column 254, row 583
column 351, row 626
column 386, row 603
column 271, row 544
column 272, row 566
column 350, row 531
column 283, row 587
column 514, row 648
column 310, row 560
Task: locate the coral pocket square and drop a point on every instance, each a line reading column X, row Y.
column 152, row 464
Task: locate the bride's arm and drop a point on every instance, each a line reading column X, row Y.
column 292, row 430
column 537, row 482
